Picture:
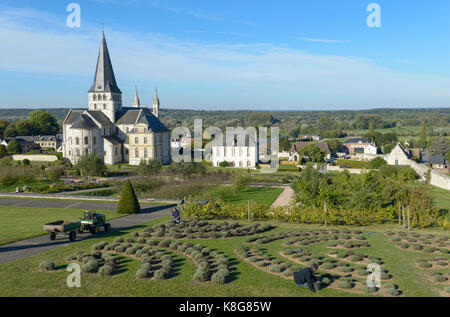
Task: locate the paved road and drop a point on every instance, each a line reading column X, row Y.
column 25, row 248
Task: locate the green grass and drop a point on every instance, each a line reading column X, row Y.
column 441, row 197
column 19, row 223
column 260, row 195
column 21, row 278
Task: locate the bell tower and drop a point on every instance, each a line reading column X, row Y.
column 104, row 94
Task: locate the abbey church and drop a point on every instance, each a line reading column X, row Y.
column 115, row 133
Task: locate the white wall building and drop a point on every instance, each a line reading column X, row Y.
column 237, row 148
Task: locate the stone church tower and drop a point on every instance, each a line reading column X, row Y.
column 104, row 94
column 156, row 104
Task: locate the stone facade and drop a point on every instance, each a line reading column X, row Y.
column 106, row 128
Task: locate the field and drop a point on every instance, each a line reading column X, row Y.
column 23, row 278
column 19, row 223
column 441, row 197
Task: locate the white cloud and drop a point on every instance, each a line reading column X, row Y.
column 320, row 40
column 246, row 75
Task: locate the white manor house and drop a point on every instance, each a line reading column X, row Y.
column 115, row 133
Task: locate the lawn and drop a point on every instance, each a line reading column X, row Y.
column 260, row 195
column 441, row 197
column 19, row 223
column 22, row 278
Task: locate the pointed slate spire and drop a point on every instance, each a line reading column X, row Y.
column 136, row 102
column 156, row 104
column 104, row 80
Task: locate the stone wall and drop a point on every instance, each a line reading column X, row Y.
column 438, row 179
column 34, row 157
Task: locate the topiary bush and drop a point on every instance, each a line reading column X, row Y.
column 142, row 273
column 288, row 272
column 275, row 268
column 440, row 278
column 218, row 278
column 345, row 284
column 47, row 265
column 201, row 276
column 128, row 203
column 106, row 270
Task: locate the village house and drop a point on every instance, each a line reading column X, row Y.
column 294, row 155
column 359, row 145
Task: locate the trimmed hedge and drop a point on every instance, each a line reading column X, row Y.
column 128, row 203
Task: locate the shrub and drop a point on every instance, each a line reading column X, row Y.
column 142, row 273
column 425, row 265
column 94, row 263
column 345, row 269
column 440, row 278
column 428, row 250
column 287, row 251
column 345, row 284
column 200, row 276
column 131, row 250
column 218, row 278
column 288, row 272
column 447, row 289
column 224, row 271
column 261, row 263
column 392, row 291
column 326, row 280
column 106, row 270
column 47, row 266
column 89, row 268
column 384, row 275
column 442, row 263
column 275, row 268
column 363, row 272
column 128, row 203
column 120, row 249
column 368, row 289
column 327, row 266
column 118, row 240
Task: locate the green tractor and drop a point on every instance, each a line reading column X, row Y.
column 93, row 221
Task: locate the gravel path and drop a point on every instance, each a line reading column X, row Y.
column 285, row 198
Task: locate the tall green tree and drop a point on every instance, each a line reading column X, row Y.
column 128, row 203
column 43, row 123
column 422, row 142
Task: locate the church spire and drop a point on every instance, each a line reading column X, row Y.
column 156, row 104
column 136, row 103
column 104, row 80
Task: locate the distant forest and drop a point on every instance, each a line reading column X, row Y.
column 329, row 124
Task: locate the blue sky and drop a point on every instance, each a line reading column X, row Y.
column 259, row 55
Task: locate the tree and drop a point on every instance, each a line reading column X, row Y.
column 14, row 147
column 54, row 173
column 128, row 203
column 334, row 145
column 422, row 142
column 285, row 145
column 447, row 156
column 313, row 152
column 3, row 125
column 43, row 123
column 10, row 131
column 377, row 162
column 439, row 146
column 24, row 127
column 153, row 167
column 91, row 165
column 2, row 151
